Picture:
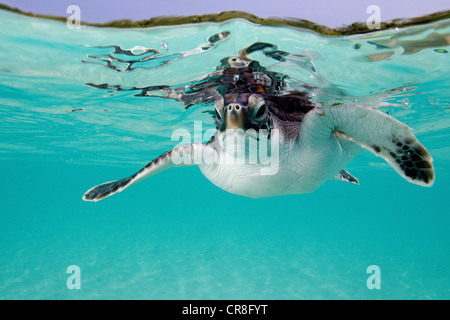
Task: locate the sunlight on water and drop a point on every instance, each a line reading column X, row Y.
column 78, row 107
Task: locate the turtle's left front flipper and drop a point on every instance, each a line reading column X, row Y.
column 385, row 137
column 188, row 154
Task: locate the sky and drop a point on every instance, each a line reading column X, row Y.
column 326, row 12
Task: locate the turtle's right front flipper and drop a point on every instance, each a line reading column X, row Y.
column 188, row 154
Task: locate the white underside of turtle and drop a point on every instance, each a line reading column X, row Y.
column 308, row 153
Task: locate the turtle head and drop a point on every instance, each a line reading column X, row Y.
column 242, row 111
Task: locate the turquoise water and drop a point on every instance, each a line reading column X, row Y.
column 177, row 236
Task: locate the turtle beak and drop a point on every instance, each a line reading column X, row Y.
column 234, row 116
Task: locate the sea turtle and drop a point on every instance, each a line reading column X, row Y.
column 270, row 142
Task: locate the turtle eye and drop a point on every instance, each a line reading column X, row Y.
column 258, row 105
column 261, row 111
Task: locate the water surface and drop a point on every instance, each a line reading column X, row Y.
column 73, row 114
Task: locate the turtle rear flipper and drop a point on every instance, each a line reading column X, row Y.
column 385, row 137
column 346, row 176
column 183, row 155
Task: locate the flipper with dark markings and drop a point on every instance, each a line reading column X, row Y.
column 183, row 155
column 385, row 137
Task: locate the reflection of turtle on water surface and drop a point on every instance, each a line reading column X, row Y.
column 306, row 143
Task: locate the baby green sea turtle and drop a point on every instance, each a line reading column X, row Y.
column 304, row 143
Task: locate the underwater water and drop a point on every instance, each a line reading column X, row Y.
column 84, row 106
